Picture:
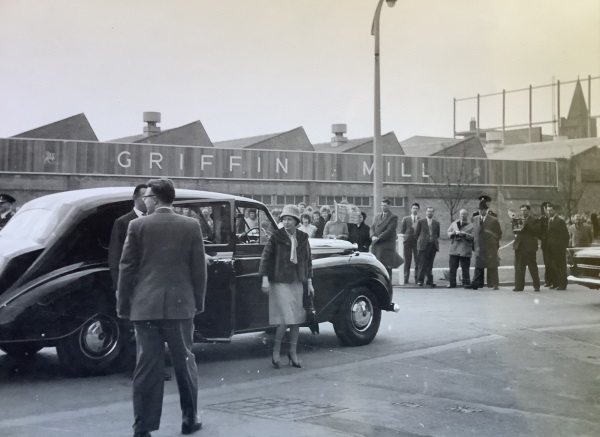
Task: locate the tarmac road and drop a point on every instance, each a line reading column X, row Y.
column 450, row 363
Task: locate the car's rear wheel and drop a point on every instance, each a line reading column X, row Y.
column 358, row 318
column 101, row 345
column 21, row 350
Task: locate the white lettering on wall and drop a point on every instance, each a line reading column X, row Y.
column 203, row 161
column 280, row 164
column 232, row 164
column 367, row 169
column 425, row 175
column 181, row 161
column 404, row 174
column 156, row 158
column 258, row 161
column 389, row 166
column 127, row 161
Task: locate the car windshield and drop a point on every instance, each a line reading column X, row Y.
column 33, row 225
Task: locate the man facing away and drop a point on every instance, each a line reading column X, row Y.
column 558, row 241
column 460, row 233
column 383, row 236
column 580, row 234
column 162, row 286
column 427, row 234
column 407, row 228
column 119, row 231
column 526, row 246
column 6, row 212
column 486, row 236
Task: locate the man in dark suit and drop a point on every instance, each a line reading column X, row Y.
column 6, row 212
column 162, row 286
column 383, row 237
column 488, row 202
column 525, row 245
column 119, row 231
column 544, row 241
column 427, row 234
column 486, row 235
column 407, row 228
column 558, row 241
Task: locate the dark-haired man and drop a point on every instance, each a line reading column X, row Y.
column 162, row 286
column 427, row 234
column 383, row 237
column 486, row 235
column 407, row 228
column 526, row 246
column 119, row 231
column 558, row 241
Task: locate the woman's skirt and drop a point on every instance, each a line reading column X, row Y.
column 285, row 304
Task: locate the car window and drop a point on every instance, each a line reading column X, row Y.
column 253, row 225
column 214, row 219
column 32, row 225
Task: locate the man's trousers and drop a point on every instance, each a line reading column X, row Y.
column 524, row 260
column 148, row 377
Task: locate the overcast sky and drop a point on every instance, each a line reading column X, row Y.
column 253, row 67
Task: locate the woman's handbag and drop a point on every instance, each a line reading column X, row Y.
column 311, row 316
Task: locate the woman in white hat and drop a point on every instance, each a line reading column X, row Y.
column 285, row 267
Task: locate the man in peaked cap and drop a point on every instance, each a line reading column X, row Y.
column 6, row 213
column 487, row 200
column 487, row 234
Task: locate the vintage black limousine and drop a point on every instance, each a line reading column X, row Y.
column 584, row 267
column 56, row 289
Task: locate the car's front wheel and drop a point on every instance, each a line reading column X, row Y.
column 358, row 318
column 101, row 345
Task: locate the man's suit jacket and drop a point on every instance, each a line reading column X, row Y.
column 385, row 246
column 487, row 237
column 526, row 240
column 580, row 237
column 423, row 234
column 162, row 273
column 558, row 234
column 117, row 239
column 407, row 228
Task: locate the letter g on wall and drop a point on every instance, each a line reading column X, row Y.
column 127, row 159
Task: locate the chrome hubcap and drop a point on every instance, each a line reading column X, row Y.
column 99, row 337
column 362, row 313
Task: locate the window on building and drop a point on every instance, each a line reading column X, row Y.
column 353, row 200
column 397, row 201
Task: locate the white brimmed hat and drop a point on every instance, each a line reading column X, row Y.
column 292, row 211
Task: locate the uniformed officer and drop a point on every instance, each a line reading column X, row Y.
column 6, row 212
column 487, row 200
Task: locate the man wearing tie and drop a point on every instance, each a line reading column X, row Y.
column 526, row 246
column 407, row 228
column 558, row 241
column 383, row 237
column 427, row 234
column 487, row 234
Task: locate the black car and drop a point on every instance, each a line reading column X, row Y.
column 584, row 266
column 56, row 288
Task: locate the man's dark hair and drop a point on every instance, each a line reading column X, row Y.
column 302, row 203
column 416, row 204
column 527, row 207
column 251, row 210
column 138, row 188
column 550, row 205
column 386, row 200
column 364, row 215
column 163, row 189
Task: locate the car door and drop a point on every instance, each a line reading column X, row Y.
column 251, row 304
column 216, row 221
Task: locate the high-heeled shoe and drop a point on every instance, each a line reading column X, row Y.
column 292, row 362
column 275, row 364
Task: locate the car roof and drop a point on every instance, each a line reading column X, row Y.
column 92, row 197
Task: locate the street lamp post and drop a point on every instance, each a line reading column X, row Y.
column 377, row 143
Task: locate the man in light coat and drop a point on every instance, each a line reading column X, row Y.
column 383, row 237
column 486, row 235
column 162, row 286
column 580, row 234
column 460, row 233
column 427, row 234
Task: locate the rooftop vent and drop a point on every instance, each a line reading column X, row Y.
column 339, row 130
column 151, row 118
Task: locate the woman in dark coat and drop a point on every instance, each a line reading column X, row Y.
column 285, row 267
column 360, row 233
column 319, row 222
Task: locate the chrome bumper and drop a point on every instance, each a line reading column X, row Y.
column 584, row 281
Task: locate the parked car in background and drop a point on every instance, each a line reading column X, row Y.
column 56, row 288
column 584, row 266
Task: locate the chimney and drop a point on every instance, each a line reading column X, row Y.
column 493, row 142
column 339, row 130
column 151, row 128
column 472, row 125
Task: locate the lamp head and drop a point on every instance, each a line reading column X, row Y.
column 390, row 3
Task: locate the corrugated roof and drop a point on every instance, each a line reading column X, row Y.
column 546, row 150
column 191, row 134
column 419, row 139
column 76, row 127
column 242, row 143
column 344, row 147
column 426, row 146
